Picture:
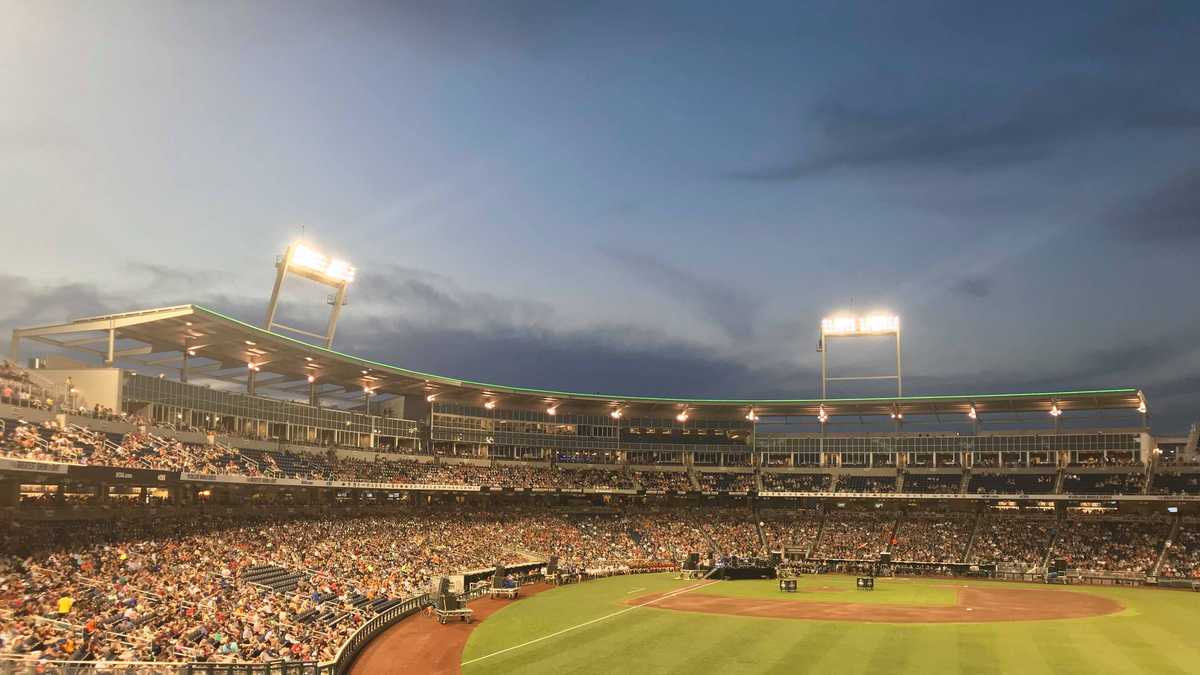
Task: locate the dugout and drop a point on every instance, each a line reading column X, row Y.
column 460, row 583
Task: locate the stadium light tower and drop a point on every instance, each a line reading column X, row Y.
column 304, row 261
column 872, row 325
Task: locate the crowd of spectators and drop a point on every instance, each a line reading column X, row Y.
column 663, row 480
column 866, row 484
column 1183, row 557
column 795, row 482
column 1011, row 484
column 1103, row 483
column 77, row 445
column 1016, row 541
column 1116, row 546
column 1127, row 458
column 1177, row 482
column 173, row 590
column 933, row 483
column 48, row 442
column 932, row 537
column 18, row 388
column 726, row 482
column 855, row 536
column 794, row 529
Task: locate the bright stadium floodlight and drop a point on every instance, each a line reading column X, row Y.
column 616, row 414
column 552, row 410
column 869, row 325
column 304, row 261
column 682, row 417
column 490, row 405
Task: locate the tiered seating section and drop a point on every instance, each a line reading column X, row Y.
column 796, row 482
column 1019, row 483
column 79, row 445
column 937, row 483
column 253, row 588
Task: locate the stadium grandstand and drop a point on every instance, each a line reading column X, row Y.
column 183, row 490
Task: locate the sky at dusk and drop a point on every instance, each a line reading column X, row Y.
column 636, row 198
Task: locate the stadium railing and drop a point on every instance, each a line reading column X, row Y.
column 369, row 630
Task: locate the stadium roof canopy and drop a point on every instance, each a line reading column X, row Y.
column 223, row 347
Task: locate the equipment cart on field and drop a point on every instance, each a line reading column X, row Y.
column 447, row 615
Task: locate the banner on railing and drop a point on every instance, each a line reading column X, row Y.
column 308, row 482
column 31, row 465
column 108, row 474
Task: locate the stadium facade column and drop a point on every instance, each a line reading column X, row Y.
column 10, row 493
column 250, row 373
column 754, row 460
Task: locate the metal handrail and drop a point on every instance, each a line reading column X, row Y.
column 367, row 632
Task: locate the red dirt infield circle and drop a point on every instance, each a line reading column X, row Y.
column 975, row 605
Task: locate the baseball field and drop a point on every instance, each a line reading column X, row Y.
column 658, row 624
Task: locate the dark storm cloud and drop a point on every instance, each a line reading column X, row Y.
column 729, row 307
column 1141, row 32
column 28, row 303
column 985, row 132
column 1169, row 213
column 167, row 278
column 593, row 362
column 1162, row 366
column 1135, row 357
column 437, row 299
column 973, row 287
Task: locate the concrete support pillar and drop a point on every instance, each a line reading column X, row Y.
column 10, row 493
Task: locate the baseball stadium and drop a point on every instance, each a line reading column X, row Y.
column 545, row 337
column 185, row 492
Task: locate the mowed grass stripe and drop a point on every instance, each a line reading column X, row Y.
column 824, row 588
column 819, row 647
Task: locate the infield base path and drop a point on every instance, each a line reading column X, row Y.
column 975, row 605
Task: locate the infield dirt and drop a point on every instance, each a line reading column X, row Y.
column 975, row 605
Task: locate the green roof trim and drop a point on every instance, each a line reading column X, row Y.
column 441, row 379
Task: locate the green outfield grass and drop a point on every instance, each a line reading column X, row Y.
column 1157, row 633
